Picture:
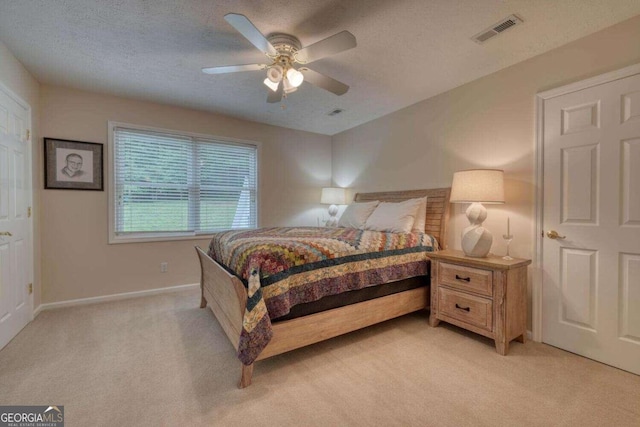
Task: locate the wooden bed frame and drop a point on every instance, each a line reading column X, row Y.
column 227, row 296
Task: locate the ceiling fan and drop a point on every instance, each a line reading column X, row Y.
column 286, row 68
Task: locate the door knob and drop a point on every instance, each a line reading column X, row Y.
column 5, row 233
column 553, row 234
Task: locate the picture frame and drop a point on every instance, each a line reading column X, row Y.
column 73, row 165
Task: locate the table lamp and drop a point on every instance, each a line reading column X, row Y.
column 477, row 186
column 333, row 196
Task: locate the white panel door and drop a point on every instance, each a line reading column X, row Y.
column 16, row 308
column 591, row 278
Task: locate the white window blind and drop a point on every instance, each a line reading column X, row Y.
column 169, row 184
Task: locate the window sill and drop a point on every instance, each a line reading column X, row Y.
column 159, row 237
column 117, row 240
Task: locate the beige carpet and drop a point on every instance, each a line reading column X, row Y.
column 160, row 360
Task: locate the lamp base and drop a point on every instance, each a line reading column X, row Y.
column 476, row 240
column 333, row 220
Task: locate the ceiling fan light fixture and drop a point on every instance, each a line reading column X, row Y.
column 295, row 77
column 275, row 73
column 271, row 85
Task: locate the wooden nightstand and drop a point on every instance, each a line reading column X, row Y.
column 487, row 296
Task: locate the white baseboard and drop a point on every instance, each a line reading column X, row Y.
column 114, row 297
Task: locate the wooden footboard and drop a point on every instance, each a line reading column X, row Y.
column 226, row 295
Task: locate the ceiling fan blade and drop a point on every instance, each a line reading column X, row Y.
column 331, row 45
column 245, row 27
column 275, row 97
column 233, row 68
column 324, row 82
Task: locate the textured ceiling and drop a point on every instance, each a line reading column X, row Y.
column 408, row 50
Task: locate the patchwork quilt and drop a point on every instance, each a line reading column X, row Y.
column 285, row 266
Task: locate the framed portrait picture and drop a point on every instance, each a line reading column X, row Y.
column 72, row 165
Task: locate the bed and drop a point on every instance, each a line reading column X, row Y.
column 236, row 300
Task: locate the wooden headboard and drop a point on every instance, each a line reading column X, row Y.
column 437, row 207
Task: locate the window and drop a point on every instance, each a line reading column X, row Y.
column 165, row 185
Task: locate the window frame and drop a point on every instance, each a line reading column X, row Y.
column 171, row 236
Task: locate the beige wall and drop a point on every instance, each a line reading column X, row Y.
column 488, row 123
column 15, row 77
column 77, row 261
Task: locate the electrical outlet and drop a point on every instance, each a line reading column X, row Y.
column 163, row 267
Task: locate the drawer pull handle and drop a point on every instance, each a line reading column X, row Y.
column 467, row 309
column 466, row 279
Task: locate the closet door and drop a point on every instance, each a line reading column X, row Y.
column 591, row 245
column 15, row 242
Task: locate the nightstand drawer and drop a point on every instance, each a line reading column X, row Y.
column 466, row 308
column 467, row 279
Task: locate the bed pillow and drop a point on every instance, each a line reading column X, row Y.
column 394, row 217
column 421, row 218
column 356, row 214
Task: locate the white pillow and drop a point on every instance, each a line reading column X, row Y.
column 394, row 217
column 356, row 214
column 421, row 219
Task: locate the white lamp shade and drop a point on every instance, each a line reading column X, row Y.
column 478, row 185
column 274, row 73
column 288, row 87
column 271, row 85
column 333, row 196
column 295, row 77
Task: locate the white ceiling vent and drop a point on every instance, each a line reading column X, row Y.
column 508, row 22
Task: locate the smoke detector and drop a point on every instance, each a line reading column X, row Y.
column 506, row 23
